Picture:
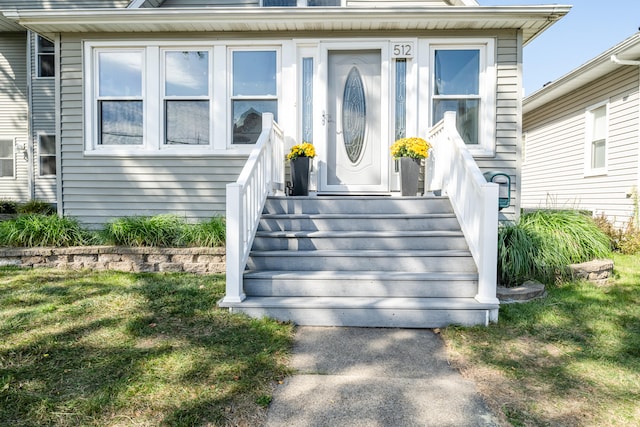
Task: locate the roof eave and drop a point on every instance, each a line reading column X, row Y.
column 531, row 19
column 589, row 71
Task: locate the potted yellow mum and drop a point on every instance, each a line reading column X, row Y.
column 300, row 156
column 410, row 152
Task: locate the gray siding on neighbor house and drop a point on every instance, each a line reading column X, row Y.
column 349, row 3
column 553, row 169
column 43, row 120
column 97, row 189
column 13, row 110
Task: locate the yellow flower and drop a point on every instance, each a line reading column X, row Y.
column 302, row 150
column 416, row 148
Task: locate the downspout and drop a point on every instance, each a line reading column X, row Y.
column 58, row 119
column 30, row 148
column 633, row 192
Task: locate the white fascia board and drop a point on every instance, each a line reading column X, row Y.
column 532, row 19
column 599, row 66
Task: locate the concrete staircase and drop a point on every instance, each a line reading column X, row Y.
column 362, row 261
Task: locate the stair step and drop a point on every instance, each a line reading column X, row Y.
column 357, row 204
column 370, row 312
column 360, row 283
column 359, row 240
column 375, row 260
column 358, row 222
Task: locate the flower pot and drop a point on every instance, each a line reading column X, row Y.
column 409, row 175
column 300, row 176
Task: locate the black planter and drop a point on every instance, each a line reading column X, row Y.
column 300, row 176
column 409, row 175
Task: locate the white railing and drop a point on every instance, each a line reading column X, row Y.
column 474, row 200
column 262, row 175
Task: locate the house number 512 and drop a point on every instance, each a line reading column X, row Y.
column 402, row 50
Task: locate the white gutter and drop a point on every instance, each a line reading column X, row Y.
column 616, row 60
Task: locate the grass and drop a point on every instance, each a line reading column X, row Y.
column 108, row 348
column 571, row 359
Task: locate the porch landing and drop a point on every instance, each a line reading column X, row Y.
column 362, row 261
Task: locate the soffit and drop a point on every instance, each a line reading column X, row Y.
column 532, row 20
column 598, row 67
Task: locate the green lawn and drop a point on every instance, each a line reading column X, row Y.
column 571, row 359
column 107, row 348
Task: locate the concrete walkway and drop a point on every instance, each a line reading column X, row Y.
column 374, row 377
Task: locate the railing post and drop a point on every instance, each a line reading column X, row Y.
column 234, row 238
column 488, row 271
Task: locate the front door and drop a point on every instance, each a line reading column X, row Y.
column 356, row 158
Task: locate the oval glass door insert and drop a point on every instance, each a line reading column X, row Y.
column 354, row 115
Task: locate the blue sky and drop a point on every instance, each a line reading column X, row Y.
column 591, row 27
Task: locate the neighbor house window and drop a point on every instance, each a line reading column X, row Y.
column 254, row 91
column 45, row 57
column 463, row 80
column 47, row 154
column 596, row 139
column 186, row 98
column 120, row 97
column 6, row 158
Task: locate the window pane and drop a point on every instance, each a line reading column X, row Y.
column 187, row 122
column 6, row 148
column 46, row 66
column 247, row 119
column 44, row 45
column 47, row 165
column 279, row 3
column 598, row 154
column 307, row 99
column 47, row 144
column 187, row 74
column 254, row 73
column 121, row 122
column 467, row 116
column 120, row 73
column 6, row 167
column 401, row 98
column 323, row 3
column 599, row 122
column 457, row 72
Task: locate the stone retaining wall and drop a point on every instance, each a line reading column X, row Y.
column 190, row 260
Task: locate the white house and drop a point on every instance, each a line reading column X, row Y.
column 582, row 136
column 161, row 104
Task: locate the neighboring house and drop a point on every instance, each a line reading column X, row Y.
column 28, row 154
column 159, row 106
column 582, row 137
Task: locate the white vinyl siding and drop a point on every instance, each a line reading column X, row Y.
column 554, row 175
column 61, row 4
column 216, row 3
column 13, row 112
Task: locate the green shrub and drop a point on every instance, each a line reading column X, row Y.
column 159, row 230
column 8, row 207
column 36, row 207
column 31, row 230
column 206, row 234
column 543, row 243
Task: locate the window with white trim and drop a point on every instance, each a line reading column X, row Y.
column 254, row 91
column 7, row 157
column 47, row 154
column 148, row 98
column 596, row 139
column 463, row 80
column 45, row 54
